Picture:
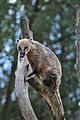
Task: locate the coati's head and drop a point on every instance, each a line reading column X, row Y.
column 24, row 46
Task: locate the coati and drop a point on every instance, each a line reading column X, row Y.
column 43, row 61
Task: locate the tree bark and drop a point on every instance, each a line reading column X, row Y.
column 52, row 97
column 21, row 90
column 26, row 33
column 78, row 46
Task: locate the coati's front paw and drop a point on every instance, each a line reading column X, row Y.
column 35, row 71
column 28, row 78
column 30, row 74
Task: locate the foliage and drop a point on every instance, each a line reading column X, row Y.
column 53, row 24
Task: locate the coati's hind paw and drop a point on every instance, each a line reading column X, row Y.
column 53, row 81
column 47, row 82
column 50, row 81
column 53, row 77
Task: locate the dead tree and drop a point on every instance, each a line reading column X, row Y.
column 21, row 89
column 78, row 46
column 51, row 97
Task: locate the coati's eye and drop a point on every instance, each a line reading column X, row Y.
column 19, row 48
column 26, row 47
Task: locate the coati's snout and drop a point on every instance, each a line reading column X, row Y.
column 22, row 54
column 23, row 47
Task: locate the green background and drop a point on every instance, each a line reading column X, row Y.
column 53, row 24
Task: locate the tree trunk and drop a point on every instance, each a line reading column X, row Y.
column 21, row 90
column 78, row 46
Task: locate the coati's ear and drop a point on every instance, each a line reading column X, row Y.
column 31, row 38
column 17, row 41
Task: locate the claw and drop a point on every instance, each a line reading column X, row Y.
column 54, row 77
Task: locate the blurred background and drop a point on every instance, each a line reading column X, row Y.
column 53, row 24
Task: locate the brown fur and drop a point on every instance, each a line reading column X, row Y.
column 43, row 59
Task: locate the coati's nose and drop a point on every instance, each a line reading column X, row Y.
column 22, row 54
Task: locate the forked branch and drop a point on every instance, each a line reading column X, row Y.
column 52, row 97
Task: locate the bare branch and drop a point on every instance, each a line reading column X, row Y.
column 21, row 89
column 52, row 97
column 22, row 96
column 25, row 28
